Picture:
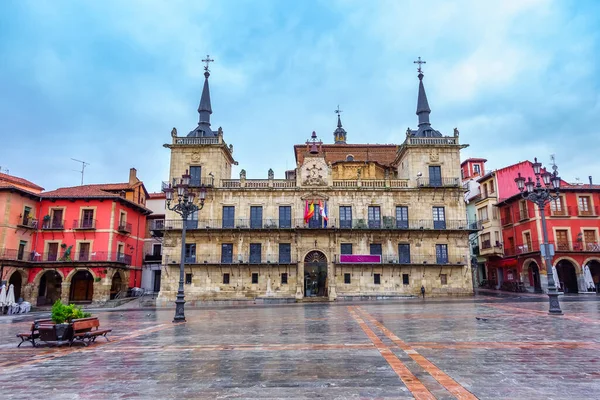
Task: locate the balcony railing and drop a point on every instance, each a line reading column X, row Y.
column 240, row 259
column 387, row 223
column 29, row 222
column 156, row 224
column 562, row 212
column 525, row 214
column 420, row 259
column 560, row 246
column 124, row 227
column 588, row 211
column 152, row 257
column 506, row 219
column 194, row 182
column 84, row 224
column 486, row 244
column 61, row 257
column 438, row 182
column 53, row 225
column 448, row 140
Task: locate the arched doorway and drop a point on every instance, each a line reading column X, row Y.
column 315, row 274
column 17, row 281
column 534, row 277
column 594, row 266
column 50, row 288
column 116, row 285
column 82, row 287
column 567, row 276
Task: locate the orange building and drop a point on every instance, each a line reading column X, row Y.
column 79, row 244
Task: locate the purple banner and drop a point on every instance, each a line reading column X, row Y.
column 360, row 259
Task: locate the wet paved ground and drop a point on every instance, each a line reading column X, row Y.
column 425, row 349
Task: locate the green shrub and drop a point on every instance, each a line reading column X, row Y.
column 62, row 313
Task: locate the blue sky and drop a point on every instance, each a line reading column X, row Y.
column 106, row 81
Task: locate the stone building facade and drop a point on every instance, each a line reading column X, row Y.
column 386, row 219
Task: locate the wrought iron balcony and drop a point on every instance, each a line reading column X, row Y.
column 29, row 222
column 233, row 259
column 438, row 182
column 525, row 214
column 150, row 257
column 84, row 224
column 562, row 212
column 419, row 259
column 124, row 227
column 588, row 211
column 53, row 225
column 194, row 182
column 62, row 257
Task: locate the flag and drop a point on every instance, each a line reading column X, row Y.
column 306, row 213
column 324, row 215
column 311, row 211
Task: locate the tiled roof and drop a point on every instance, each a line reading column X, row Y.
column 112, row 186
column 158, row 195
column 18, row 181
column 6, row 185
column 384, row 154
column 87, row 192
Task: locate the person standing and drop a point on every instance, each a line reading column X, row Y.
column 423, row 291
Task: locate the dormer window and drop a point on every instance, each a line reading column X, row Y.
column 349, row 157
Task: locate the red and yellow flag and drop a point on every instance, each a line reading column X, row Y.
column 309, row 211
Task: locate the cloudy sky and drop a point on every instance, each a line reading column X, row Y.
column 106, row 81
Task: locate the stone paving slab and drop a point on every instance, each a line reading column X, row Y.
column 423, row 349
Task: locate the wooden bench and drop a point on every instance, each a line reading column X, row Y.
column 83, row 329
column 34, row 333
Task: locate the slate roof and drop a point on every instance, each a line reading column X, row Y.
column 384, row 154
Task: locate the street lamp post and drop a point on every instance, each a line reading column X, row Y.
column 185, row 207
column 541, row 195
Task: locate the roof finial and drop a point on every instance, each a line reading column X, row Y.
column 338, row 112
column 419, row 69
column 339, row 135
column 206, row 70
column 204, row 109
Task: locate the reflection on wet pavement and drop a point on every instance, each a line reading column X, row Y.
column 423, row 349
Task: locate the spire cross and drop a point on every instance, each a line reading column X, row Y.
column 338, row 111
column 419, row 70
column 207, row 60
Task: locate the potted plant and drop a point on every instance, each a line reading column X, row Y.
column 62, row 316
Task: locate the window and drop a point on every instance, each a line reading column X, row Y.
column 404, row 253
column 486, row 241
column 285, row 216
column 435, row 176
column 444, row 279
column 346, row 248
column 562, row 239
column 439, row 218
column 254, row 278
column 495, row 213
column 496, row 238
column 225, row 279
column 156, row 249
column 492, row 190
column 585, row 205
column 462, row 174
column 190, row 253
column 284, row 277
column 528, row 245
column 589, row 236
column 228, row 217
column 285, row 253
column 374, row 217
column 84, row 251
column 52, row 251
column 523, row 211
column 375, row 249
column 21, row 251
column 226, row 253
column 402, row 217
column 195, row 176
column 256, row 217
column 377, row 279
column 511, row 242
column 476, row 168
column 56, row 219
column 556, row 207
column 482, row 213
column 345, row 217
column 316, row 220
column 441, row 253
column 87, row 219
column 27, row 216
column 192, row 221
column 405, row 279
column 188, row 279
column 255, row 253
column 347, row 279
column 120, row 252
column 349, row 157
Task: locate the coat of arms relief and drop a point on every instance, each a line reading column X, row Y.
column 314, row 172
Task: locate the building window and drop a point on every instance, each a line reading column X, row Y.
column 27, row 220
column 346, row 248
column 316, row 220
column 56, row 219
column 556, row 206
column 188, row 279
column 225, row 279
column 482, row 213
column 120, row 252
column 345, row 217
column 441, row 253
column 476, row 168
column 402, row 217
column 492, row 190
column 435, row 176
column 255, row 253
column 375, row 249
column 349, row 157
column 52, row 251
column 84, row 252
column 562, row 239
column 284, row 277
column 285, row 216
column 21, row 251
column 285, row 253
column 228, row 217
column 195, row 175
column 347, row 279
column 156, row 249
column 523, row 210
column 404, row 253
column 87, row 219
column 377, row 279
column 256, row 217
column 486, row 242
column 254, row 278
column 589, row 236
column 585, row 205
column 405, row 280
column 226, row 253
column 444, row 279
column 439, row 218
column 190, row 253
column 374, row 217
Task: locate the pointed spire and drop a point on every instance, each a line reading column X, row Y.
column 204, row 108
column 339, row 135
column 423, row 109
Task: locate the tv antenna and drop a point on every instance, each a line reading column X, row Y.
column 83, row 165
column 3, row 170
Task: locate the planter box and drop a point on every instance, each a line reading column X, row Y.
column 56, row 333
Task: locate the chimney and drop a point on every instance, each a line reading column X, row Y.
column 133, row 176
column 590, row 177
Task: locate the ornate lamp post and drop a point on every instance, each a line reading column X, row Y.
column 185, row 207
column 542, row 195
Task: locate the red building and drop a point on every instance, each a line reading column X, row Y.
column 83, row 243
column 573, row 223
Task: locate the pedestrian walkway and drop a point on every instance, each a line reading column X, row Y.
column 486, row 349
